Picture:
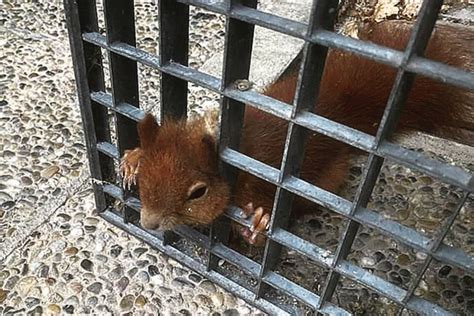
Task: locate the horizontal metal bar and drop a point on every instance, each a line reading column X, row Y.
column 452, row 174
column 301, row 294
column 369, row 218
column 319, row 255
column 123, row 108
column 108, row 149
column 195, row 265
column 445, row 172
column 385, row 55
column 395, row 230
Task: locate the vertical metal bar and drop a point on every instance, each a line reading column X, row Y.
column 120, row 27
column 174, row 37
column 323, row 15
column 87, row 60
column 417, row 43
column 237, row 58
column 174, row 47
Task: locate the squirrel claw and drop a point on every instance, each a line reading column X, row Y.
column 129, row 167
column 260, row 223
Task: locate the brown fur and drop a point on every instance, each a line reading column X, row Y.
column 354, row 92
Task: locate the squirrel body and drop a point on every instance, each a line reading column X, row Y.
column 177, row 166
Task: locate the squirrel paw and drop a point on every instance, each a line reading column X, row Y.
column 260, row 223
column 129, row 166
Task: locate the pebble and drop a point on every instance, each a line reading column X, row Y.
column 3, row 295
column 142, row 276
column 217, row 299
column 49, row 171
column 54, row 309
column 122, row 284
column 208, row 286
column 71, row 251
column 165, row 290
column 38, row 310
column 95, row 287
column 231, row 312
column 116, row 273
column 140, row 301
column 126, row 303
column 69, row 309
column 86, row 264
column 195, row 277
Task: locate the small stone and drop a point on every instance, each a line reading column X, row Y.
column 115, row 250
column 448, row 294
column 208, row 286
column 127, row 302
column 116, row 273
column 3, row 295
column 25, row 284
column 76, row 287
column 217, row 299
column 49, row 171
column 122, row 284
column 421, row 255
column 95, row 287
column 71, row 251
column 195, row 277
column 231, row 312
column 86, row 264
column 181, row 283
column 315, row 224
column 143, row 277
column 92, row 301
column 139, row 251
column 444, row 271
column 203, row 300
column 132, row 272
column 71, row 300
column 38, row 310
column 29, row 302
column 54, row 309
column 69, row 309
column 384, row 266
column 165, row 291
column 367, row 262
column 153, row 270
column 140, row 301
column 403, row 260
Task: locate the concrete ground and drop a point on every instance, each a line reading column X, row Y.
column 56, row 256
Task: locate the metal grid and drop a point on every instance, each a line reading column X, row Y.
column 242, row 16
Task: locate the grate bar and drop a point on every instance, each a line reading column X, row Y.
column 432, row 69
column 241, row 18
column 414, row 160
column 174, row 253
column 87, row 61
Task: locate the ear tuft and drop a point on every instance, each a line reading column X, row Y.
column 147, row 130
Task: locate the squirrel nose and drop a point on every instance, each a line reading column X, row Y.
column 149, row 223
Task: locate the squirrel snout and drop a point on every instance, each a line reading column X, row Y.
column 154, row 220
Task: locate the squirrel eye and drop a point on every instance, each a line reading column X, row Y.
column 197, row 190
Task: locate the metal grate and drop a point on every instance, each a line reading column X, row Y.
column 242, row 16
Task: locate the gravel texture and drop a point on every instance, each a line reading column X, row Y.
column 56, row 256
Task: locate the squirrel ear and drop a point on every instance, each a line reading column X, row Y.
column 209, row 143
column 147, row 130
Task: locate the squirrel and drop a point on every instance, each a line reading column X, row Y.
column 176, row 165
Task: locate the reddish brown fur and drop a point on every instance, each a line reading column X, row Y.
column 176, row 157
column 354, row 92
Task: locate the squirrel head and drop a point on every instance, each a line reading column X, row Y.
column 178, row 177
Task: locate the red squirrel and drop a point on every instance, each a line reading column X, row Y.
column 176, row 164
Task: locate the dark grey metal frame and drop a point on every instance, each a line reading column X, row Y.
column 242, row 16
